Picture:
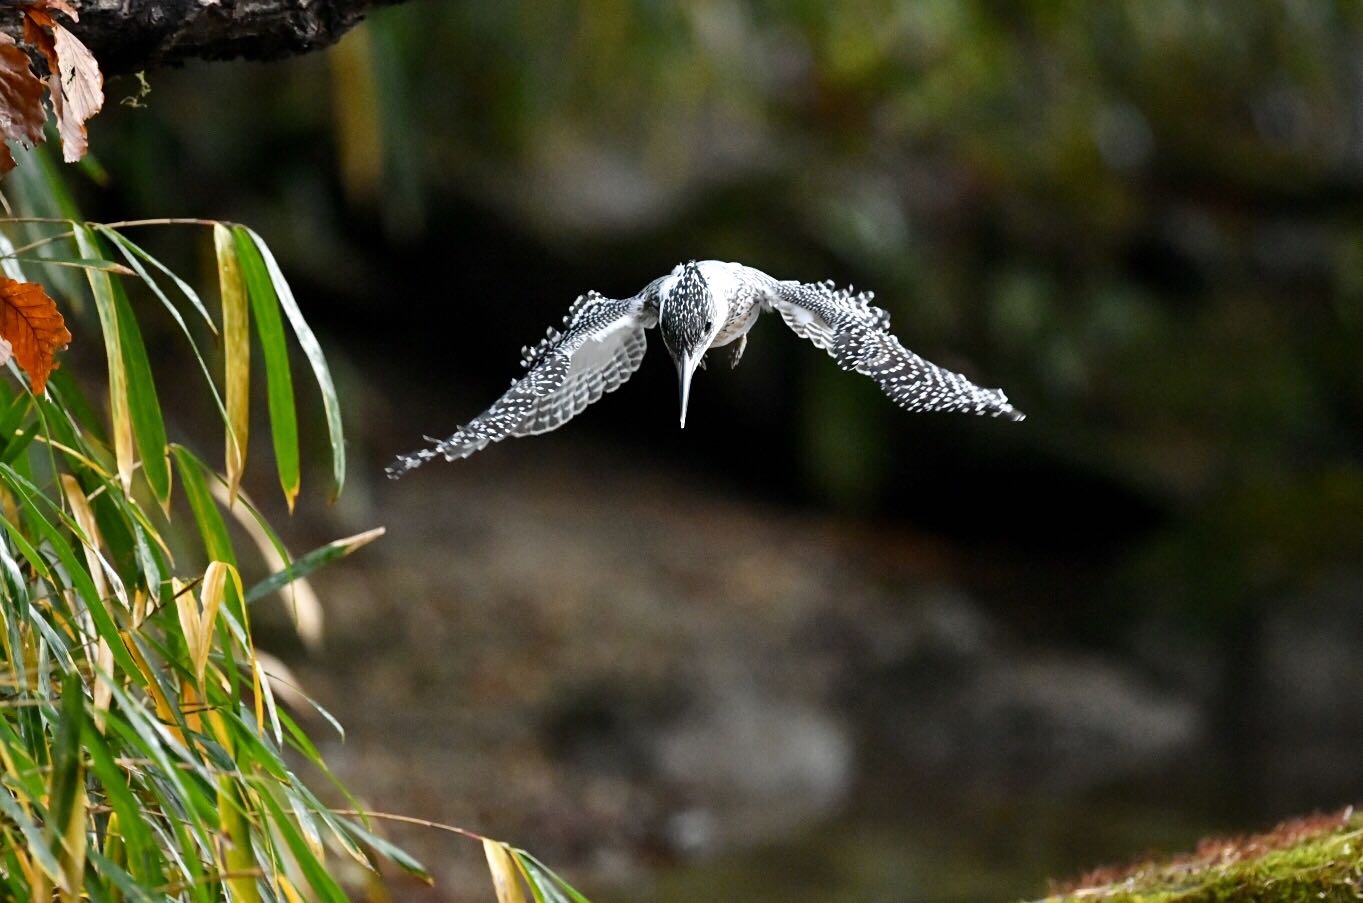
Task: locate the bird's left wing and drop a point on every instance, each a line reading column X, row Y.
column 857, row 335
column 600, row 347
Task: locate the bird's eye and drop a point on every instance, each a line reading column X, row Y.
column 708, row 324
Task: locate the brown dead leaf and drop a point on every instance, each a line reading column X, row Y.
column 77, row 92
column 38, row 27
column 62, row 6
column 31, row 323
column 21, row 106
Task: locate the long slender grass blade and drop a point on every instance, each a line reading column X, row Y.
column 67, row 800
column 101, row 286
column 279, row 378
column 212, row 529
column 136, row 256
column 306, row 564
column 236, row 342
column 548, row 876
column 322, row 883
column 143, row 405
column 313, row 350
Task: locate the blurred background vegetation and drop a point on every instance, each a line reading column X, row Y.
column 813, row 645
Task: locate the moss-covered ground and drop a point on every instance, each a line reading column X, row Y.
column 1314, row 858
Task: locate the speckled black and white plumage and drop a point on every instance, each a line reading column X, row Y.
column 688, row 311
column 857, row 335
column 601, row 345
column 700, row 307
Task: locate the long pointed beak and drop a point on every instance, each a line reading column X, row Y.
column 685, row 367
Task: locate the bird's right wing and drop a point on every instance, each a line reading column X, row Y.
column 857, row 335
column 601, row 346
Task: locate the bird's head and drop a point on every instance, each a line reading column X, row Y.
column 689, row 321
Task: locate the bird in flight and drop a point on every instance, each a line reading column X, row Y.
column 699, row 307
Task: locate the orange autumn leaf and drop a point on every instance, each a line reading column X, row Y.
column 21, row 106
column 32, row 325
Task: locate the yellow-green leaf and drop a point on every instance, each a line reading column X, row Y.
column 240, row 859
column 505, row 876
column 197, row 623
column 236, row 341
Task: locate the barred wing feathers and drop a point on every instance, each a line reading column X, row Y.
column 857, row 335
column 602, row 344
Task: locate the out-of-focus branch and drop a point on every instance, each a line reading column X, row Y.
column 129, row 35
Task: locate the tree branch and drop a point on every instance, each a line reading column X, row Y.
column 129, row 35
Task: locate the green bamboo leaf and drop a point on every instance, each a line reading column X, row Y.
column 322, row 882
column 279, row 378
column 548, row 877
column 541, row 889
column 145, row 408
column 217, row 543
column 308, row 341
column 236, row 340
column 310, row 562
column 403, row 859
column 67, row 804
column 300, row 740
column 101, row 286
column 136, row 256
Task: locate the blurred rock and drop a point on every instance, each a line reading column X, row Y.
column 753, row 767
column 974, row 711
column 1309, row 705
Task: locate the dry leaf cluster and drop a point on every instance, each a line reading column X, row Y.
column 74, row 83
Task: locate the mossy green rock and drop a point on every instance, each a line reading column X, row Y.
column 1313, row 858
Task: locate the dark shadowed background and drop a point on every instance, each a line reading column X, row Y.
column 812, row 647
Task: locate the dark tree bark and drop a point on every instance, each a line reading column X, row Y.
column 130, row 35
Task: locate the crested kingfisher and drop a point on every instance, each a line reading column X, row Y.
column 698, row 307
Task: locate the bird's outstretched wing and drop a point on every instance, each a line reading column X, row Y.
column 857, row 335
column 601, row 345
